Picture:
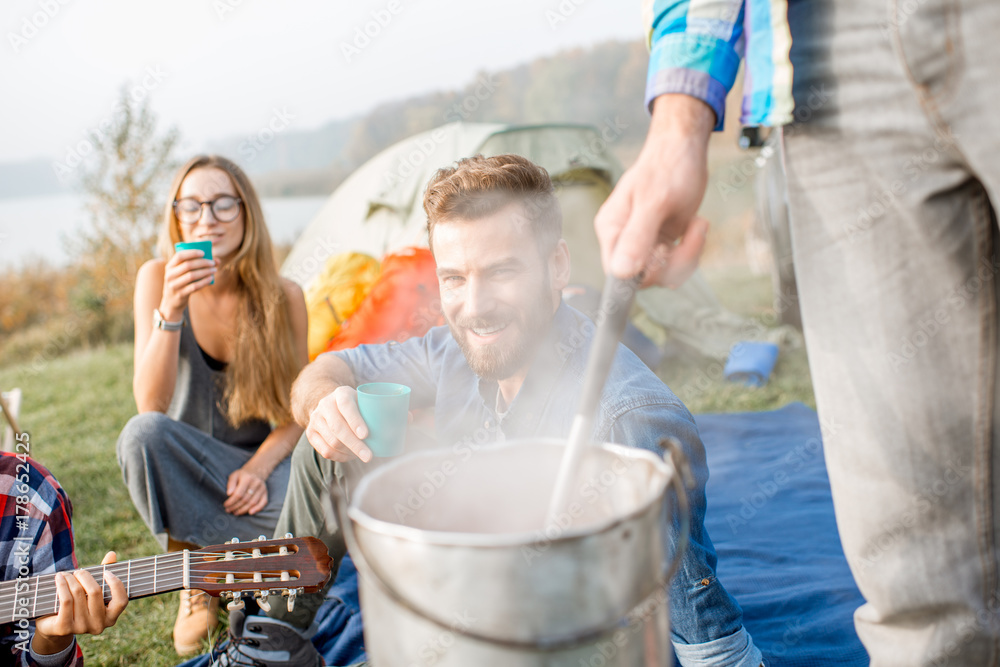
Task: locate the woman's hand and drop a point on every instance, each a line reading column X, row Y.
column 187, row 272
column 81, row 609
column 247, row 491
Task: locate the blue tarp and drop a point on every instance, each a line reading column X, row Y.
column 770, row 515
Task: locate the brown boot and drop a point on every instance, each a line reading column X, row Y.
column 197, row 617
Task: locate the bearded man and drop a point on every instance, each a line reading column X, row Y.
column 509, row 365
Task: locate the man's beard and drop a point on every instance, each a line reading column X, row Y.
column 501, row 360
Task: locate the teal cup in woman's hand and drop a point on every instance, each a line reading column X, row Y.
column 204, row 246
column 385, row 407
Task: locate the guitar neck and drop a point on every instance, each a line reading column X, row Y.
column 34, row 597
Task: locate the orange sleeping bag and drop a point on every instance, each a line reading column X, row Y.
column 335, row 294
column 404, row 302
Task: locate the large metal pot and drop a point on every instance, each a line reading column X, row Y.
column 458, row 566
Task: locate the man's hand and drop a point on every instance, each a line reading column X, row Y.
column 246, row 491
column 81, row 609
column 336, row 429
column 649, row 220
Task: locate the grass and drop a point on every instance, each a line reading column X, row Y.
column 75, row 405
column 698, row 380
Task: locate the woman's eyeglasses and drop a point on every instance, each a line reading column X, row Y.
column 225, row 209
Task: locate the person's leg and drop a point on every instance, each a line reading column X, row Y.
column 304, row 513
column 177, row 476
column 895, row 258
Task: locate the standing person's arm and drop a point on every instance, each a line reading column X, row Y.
column 247, row 485
column 163, row 286
column 693, row 63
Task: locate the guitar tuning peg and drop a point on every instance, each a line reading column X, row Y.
column 288, row 536
column 237, row 602
column 261, row 538
column 291, row 600
column 262, row 602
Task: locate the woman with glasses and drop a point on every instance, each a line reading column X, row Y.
column 217, row 344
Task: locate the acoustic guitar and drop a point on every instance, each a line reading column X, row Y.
column 287, row 567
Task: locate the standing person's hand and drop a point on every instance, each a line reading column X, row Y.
column 81, row 609
column 186, row 273
column 649, row 221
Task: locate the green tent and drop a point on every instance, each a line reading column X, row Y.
column 378, row 209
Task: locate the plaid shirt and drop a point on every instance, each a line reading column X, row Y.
column 39, row 519
column 696, row 47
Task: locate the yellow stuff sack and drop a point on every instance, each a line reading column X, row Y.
column 336, row 293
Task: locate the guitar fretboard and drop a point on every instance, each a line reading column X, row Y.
column 37, row 596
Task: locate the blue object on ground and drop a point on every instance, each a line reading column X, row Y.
column 770, row 515
column 751, row 362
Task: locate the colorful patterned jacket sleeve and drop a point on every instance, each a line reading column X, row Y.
column 36, row 537
column 696, row 47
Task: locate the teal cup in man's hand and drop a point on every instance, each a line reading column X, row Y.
column 385, row 407
column 204, row 246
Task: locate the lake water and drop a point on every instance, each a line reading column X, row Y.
column 33, row 228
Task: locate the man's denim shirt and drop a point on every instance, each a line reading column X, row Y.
column 637, row 409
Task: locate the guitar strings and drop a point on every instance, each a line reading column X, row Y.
column 143, row 565
column 50, row 599
column 120, row 569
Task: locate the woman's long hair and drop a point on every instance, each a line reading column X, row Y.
column 264, row 363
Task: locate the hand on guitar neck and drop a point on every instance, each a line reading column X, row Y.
column 90, row 600
column 81, row 609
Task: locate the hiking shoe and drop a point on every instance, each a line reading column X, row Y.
column 260, row 641
column 197, row 616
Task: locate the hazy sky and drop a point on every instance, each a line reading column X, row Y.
column 216, row 68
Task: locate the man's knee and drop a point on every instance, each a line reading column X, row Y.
column 308, row 467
